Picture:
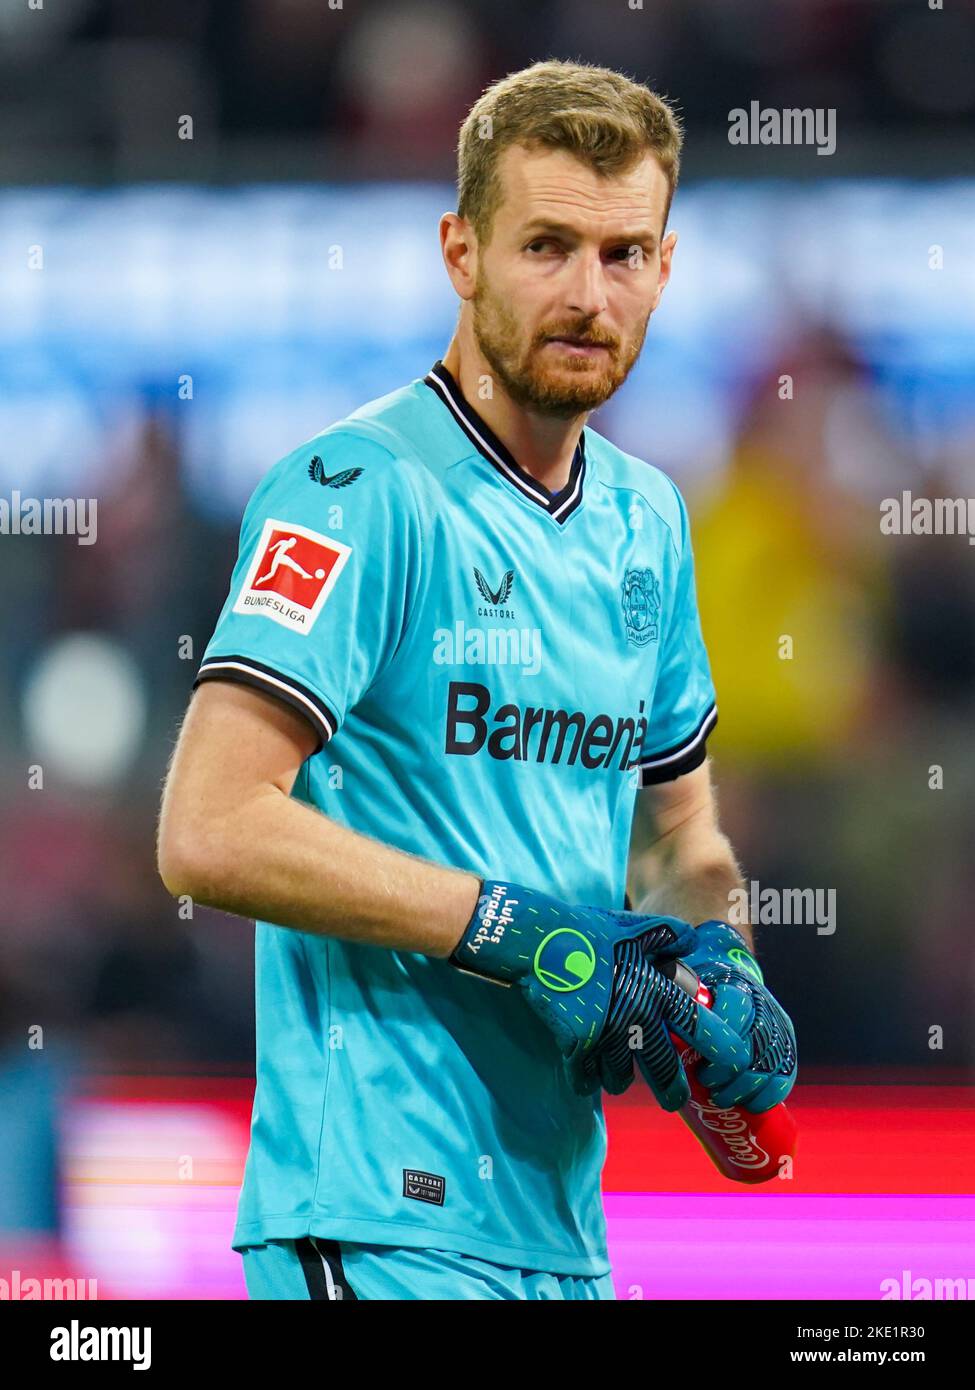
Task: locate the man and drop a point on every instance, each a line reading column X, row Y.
column 414, row 755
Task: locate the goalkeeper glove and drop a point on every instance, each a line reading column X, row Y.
column 587, row 972
column 721, row 960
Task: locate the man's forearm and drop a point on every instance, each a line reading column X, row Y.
column 278, row 860
column 695, row 883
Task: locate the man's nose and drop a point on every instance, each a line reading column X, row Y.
column 587, row 284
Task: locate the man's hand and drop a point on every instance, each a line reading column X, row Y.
column 722, row 961
column 589, row 974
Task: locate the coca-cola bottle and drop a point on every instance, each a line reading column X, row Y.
column 744, row 1147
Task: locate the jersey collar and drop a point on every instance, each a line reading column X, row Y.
column 559, row 505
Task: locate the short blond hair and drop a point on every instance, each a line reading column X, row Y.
column 601, row 117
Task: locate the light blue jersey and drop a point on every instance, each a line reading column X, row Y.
column 492, row 671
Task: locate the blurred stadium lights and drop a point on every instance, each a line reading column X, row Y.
column 84, row 709
column 287, row 306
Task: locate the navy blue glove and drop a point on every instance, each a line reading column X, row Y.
column 588, row 973
column 721, row 959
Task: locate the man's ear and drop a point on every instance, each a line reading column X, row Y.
column 666, row 258
column 458, row 246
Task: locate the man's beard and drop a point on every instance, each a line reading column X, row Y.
column 576, row 387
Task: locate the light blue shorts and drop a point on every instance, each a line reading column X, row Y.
column 314, row 1268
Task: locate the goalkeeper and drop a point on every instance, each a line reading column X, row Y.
column 460, row 649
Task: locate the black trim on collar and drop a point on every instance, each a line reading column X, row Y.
column 559, row 505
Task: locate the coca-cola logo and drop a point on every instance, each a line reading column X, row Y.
column 744, row 1150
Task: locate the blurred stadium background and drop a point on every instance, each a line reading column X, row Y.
column 204, row 304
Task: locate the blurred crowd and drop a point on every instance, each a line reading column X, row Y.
column 375, row 88
column 844, row 755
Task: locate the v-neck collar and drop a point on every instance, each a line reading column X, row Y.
column 559, row 505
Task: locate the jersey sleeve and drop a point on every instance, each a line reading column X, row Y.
column 327, row 572
column 684, row 709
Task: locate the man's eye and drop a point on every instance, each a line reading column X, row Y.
column 622, row 253
column 541, row 243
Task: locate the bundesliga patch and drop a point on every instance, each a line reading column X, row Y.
column 292, row 574
column 423, row 1187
